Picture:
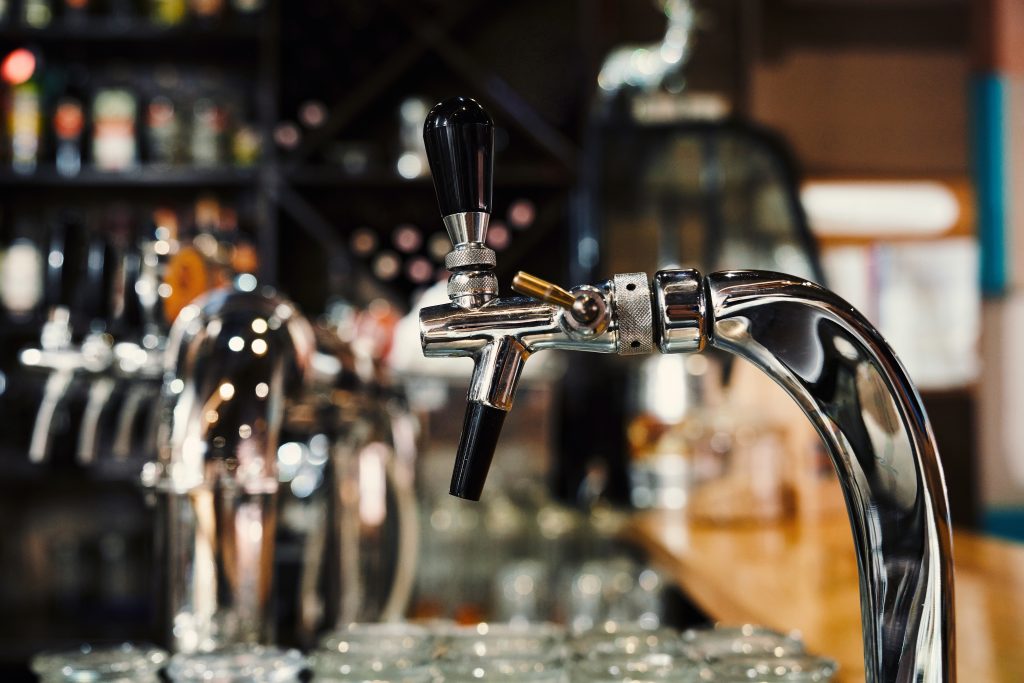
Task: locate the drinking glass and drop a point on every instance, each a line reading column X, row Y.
column 541, row 641
column 329, row 667
column 238, row 664
column 384, row 641
column 718, row 642
column 376, row 652
column 124, row 663
column 653, row 668
column 626, row 640
column 506, row 670
column 761, row 669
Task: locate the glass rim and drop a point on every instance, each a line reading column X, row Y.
column 251, row 663
column 795, row 668
column 87, row 662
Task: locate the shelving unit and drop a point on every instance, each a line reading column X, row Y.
column 48, row 178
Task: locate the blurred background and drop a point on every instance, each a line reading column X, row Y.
column 153, row 150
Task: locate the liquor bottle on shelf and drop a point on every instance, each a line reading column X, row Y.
column 209, row 125
column 120, row 11
column 114, row 113
column 163, row 131
column 247, row 6
column 20, row 69
column 167, row 12
column 246, row 146
column 206, row 11
column 75, row 12
column 412, row 159
column 68, row 124
column 37, row 13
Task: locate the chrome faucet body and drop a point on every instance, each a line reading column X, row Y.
column 816, row 346
column 233, row 358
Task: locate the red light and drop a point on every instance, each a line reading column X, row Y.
column 18, row 66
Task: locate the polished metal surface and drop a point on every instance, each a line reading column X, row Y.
column 542, row 290
column 63, row 361
column 472, row 288
column 470, row 256
column 842, row 374
column 632, row 296
column 232, row 358
column 679, row 311
column 467, row 227
column 849, row 383
column 501, row 334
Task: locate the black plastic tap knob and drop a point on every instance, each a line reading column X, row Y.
column 459, row 137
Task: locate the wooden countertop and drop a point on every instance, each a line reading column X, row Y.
column 803, row 575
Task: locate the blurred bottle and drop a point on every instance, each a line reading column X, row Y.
column 412, row 159
column 247, row 6
column 21, row 274
column 206, row 10
column 167, row 12
column 37, row 13
column 20, row 69
column 68, row 124
column 209, row 125
column 246, row 146
column 163, row 131
column 114, row 112
column 76, row 11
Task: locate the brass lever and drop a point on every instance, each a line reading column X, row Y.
column 548, row 292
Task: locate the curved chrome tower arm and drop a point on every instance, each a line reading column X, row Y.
column 855, row 391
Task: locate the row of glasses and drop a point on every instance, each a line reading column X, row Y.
column 443, row 652
column 129, row 663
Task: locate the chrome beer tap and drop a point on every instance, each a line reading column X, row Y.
column 826, row 356
column 233, row 358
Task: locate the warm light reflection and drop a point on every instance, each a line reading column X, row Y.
column 373, row 484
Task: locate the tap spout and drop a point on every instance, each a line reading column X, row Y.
column 850, row 384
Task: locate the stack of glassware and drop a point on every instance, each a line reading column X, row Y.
column 442, row 652
column 385, row 652
column 238, row 664
column 752, row 654
column 126, row 663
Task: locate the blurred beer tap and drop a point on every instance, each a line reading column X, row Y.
column 57, row 354
column 233, row 359
column 139, row 359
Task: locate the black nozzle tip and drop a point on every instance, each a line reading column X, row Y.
column 480, row 433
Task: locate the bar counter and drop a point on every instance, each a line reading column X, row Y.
column 802, row 574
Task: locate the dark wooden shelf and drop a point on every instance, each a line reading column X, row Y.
column 507, row 175
column 144, row 176
column 137, row 31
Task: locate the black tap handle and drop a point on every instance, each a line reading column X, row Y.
column 480, row 433
column 459, row 137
